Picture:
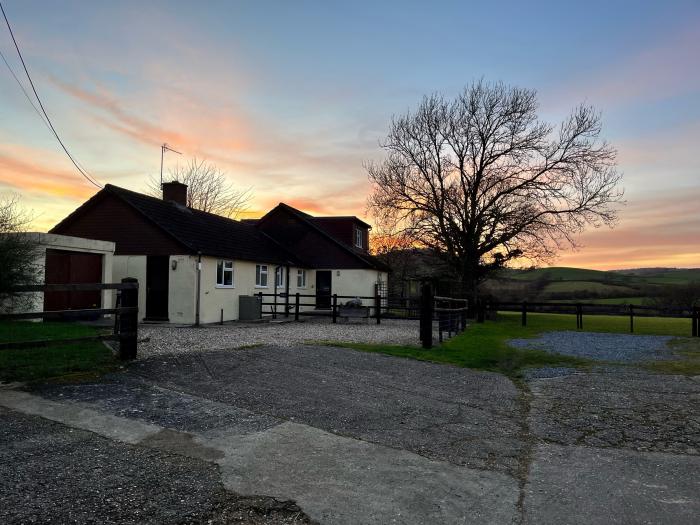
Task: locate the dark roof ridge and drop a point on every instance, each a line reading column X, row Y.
column 118, row 191
column 305, row 217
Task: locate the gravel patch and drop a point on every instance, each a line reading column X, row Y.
column 167, row 339
column 51, row 473
column 624, row 348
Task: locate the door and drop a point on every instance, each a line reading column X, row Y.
column 323, row 289
column 157, row 275
column 66, row 267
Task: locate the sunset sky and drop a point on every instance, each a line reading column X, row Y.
column 290, row 98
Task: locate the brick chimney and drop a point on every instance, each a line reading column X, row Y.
column 175, row 191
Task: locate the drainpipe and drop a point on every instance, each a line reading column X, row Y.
column 286, row 298
column 199, row 287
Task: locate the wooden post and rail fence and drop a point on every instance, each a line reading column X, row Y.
column 126, row 315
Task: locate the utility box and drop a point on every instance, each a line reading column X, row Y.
column 249, row 308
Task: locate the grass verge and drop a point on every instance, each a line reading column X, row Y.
column 688, row 362
column 483, row 346
column 41, row 363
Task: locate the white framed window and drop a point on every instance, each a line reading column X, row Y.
column 261, row 275
column 224, row 274
column 301, row 278
column 279, row 276
column 359, row 238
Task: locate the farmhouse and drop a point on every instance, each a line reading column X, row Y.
column 194, row 266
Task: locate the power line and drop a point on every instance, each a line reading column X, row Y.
column 41, row 105
column 21, row 86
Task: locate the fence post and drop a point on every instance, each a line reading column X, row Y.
column 426, row 316
column 296, row 307
column 260, row 298
column 274, row 303
column 377, row 304
column 524, row 314
column 695, row 321
column 128, row 322
column 335, row 308
column 631, row 319
column 579, row 317
column 480, row 314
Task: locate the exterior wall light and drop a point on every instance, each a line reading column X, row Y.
column 173, row 264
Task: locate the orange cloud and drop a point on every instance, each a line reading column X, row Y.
column 40, row 177
column 659, row 231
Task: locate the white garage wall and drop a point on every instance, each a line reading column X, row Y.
column 132, row 266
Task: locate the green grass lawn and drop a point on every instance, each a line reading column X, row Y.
column 53, row 361
column 483, row 346
column 604, row 323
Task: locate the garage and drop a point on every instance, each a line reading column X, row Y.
column 71, row 267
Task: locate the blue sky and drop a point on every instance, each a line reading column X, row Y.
column 291, row 97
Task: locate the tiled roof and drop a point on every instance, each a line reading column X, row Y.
column 205, row 232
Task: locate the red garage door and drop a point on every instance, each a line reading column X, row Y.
column 65, row 267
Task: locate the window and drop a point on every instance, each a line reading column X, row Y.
column 359, row 238
column 301, row 278
column 224, row 273
column 279, row 276
column 261, row 275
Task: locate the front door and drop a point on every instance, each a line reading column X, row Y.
column 157, row 274
column 323, row 289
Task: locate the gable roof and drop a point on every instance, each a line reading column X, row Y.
column 198, row 231
column 364, row 259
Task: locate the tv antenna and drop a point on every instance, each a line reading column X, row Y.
column 163, row 149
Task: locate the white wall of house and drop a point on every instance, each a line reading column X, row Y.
column 216, row 297
column 182, row 294
column 131, row 266
column 356, row 283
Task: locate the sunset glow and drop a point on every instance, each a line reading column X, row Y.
column 292, row 99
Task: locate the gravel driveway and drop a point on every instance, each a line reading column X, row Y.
column 620, row 348
column 51, row 473
column 168, row 339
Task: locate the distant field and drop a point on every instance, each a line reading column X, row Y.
column 587, row 286
column 614, row 300
column 624, row 277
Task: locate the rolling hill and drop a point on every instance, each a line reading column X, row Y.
column 607, row 287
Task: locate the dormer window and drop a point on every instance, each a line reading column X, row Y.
column 359, row 238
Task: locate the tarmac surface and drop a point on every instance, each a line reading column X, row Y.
column 354, row 437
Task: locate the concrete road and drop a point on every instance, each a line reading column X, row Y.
column 353, row 437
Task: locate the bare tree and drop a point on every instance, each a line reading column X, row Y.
column 18, row 251
column 208, row 189
column 482, row 181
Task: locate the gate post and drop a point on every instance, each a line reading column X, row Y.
column 296, row 307
column 426, row 316
column 335, row 308
column 128, row 321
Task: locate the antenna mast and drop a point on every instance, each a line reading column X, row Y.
column 164, row 147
